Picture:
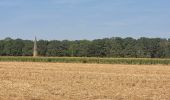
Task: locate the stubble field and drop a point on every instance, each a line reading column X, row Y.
column 65, row 81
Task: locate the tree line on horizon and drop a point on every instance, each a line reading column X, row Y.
column 107, row 47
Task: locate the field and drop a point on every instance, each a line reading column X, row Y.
column 137, row 61
column 65, row 81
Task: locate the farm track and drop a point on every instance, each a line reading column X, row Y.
column 66, row 81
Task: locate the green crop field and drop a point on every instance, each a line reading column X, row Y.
column 140, row 61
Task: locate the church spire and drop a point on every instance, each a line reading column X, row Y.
column 35, row 52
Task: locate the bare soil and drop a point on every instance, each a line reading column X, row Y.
column 65, row 81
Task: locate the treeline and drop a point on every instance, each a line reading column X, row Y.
column 107, row 47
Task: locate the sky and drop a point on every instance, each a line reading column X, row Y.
column 84, row 19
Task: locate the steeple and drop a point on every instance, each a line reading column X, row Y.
column 35, row 52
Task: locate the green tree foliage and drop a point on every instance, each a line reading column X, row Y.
column 116, row 49
column 107, row 47
column 7, row 50
column 27, row 50
column 1, row 48
column 97, row 48
column 53, row 48
column 16, row 48
column 42, row 47
column 129, row 47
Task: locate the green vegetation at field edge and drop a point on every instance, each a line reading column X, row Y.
column 139, row 61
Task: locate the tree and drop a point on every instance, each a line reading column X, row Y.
column 52, row 48
column 16, row 47
column 8, row 47
column 42, row 47
column 129, row 48
column 1, row 47
column 116, row 49
column 142, row 48
column 97, row 48
column 82, row 48
column 27, row 49
column 107, row 47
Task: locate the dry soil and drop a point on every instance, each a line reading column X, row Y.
column 65, row 81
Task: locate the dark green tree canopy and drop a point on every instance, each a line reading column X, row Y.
column 107, row 47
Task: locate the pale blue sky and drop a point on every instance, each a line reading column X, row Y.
column 84, row 19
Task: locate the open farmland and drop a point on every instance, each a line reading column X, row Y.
column 65, row 81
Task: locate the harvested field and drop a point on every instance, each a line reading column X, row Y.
column 65, row 81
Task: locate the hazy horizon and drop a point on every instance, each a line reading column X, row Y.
column 84, row 19
column 81, row 39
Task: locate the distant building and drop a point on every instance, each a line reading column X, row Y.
column 35, row 52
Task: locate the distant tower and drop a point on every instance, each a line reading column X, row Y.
column 35, row 52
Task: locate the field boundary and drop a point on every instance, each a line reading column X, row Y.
column 134, row 61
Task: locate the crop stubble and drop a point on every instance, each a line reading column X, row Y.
column 66, row 81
